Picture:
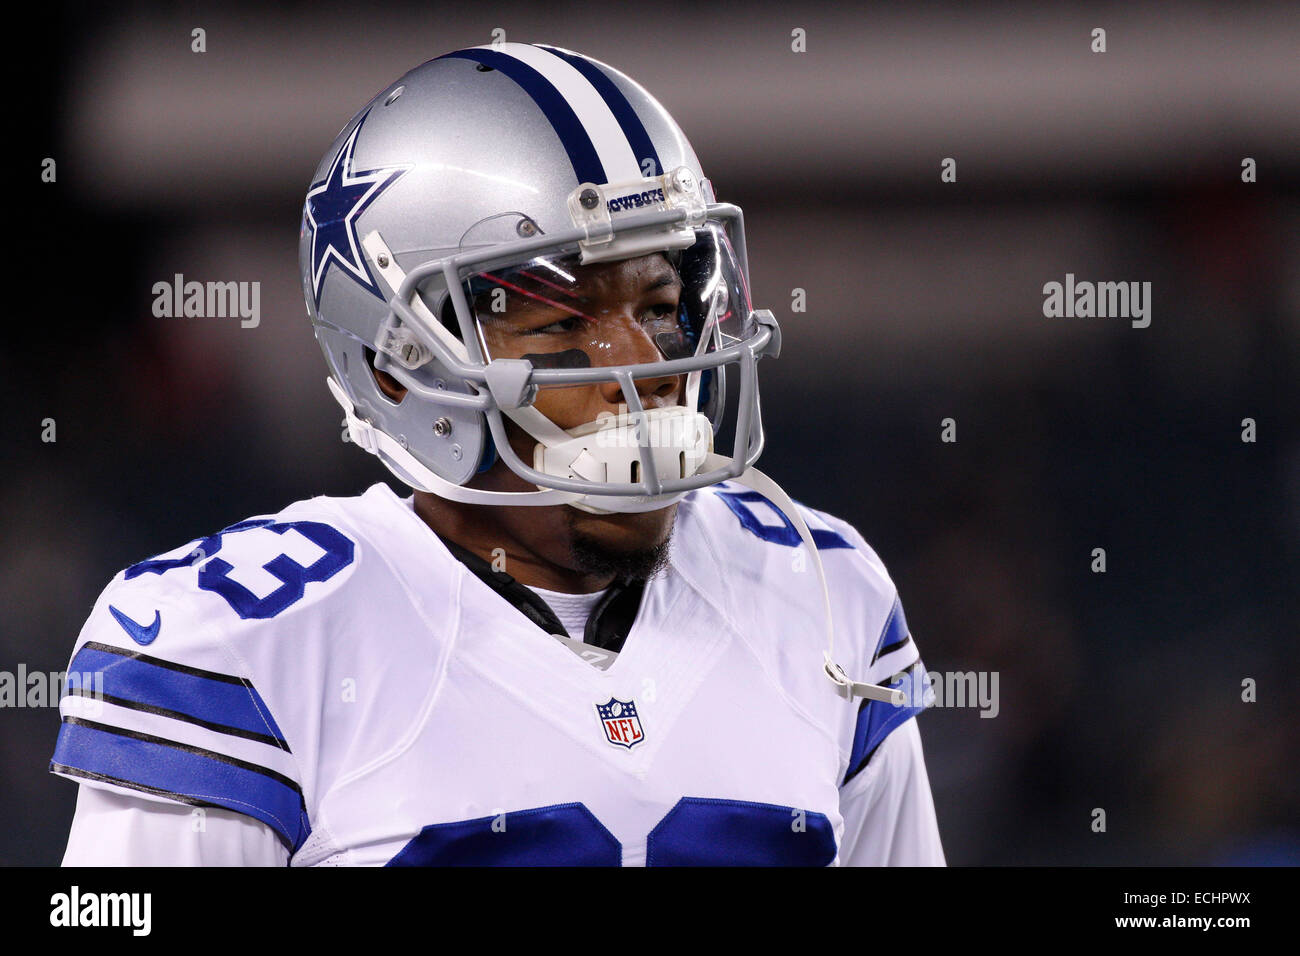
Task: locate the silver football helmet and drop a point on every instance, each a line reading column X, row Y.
column 460, row 212
column 452, row 236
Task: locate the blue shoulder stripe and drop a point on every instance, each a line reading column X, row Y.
column 188, row 774
column 876, row 718
column 895, row 633
column 220, row 702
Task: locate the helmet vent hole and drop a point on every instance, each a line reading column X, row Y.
column 392, row 97
column 345, row 363
column 681, row 464
column 636, row 471
column 484, row 68
column 392, row 390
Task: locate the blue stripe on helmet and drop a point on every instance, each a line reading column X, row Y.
column 573, row 135
column 637, row 136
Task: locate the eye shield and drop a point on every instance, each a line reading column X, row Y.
column 679, row 304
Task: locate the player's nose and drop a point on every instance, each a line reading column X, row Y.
column 634, row 346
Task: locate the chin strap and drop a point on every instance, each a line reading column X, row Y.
column 844, row 685
column 410, row 470
column 371, row 439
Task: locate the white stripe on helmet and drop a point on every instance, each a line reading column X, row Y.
column 612, row 146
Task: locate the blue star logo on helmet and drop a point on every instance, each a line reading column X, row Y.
column 331, row 212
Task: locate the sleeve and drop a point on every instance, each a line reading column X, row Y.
column 112, row 829
column 888, row 811
column 895, row 662
column 885, row 798
column 159, row 713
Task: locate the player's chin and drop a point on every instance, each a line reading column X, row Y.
column 630, row 545
column 637, row 527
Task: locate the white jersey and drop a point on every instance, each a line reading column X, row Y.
column 331, row 686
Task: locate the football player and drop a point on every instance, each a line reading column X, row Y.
column 587, row 637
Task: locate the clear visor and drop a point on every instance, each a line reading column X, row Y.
column 560, row 314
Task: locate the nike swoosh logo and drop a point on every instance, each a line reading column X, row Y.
column 139, row 633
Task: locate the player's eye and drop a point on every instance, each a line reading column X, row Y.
column 660, row 312
column 563, row 326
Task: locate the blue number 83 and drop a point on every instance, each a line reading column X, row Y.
column 695, row 832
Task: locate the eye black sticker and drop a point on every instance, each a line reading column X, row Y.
column 569, row 358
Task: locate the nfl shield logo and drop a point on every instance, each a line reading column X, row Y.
column 622, row 726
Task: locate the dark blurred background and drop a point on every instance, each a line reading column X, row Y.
column 1119, row 690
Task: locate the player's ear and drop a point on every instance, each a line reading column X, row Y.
column 390, row 386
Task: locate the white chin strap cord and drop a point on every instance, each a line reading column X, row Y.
column 844, row 686
column 366, row 436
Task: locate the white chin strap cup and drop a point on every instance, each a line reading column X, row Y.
column 608, row 450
